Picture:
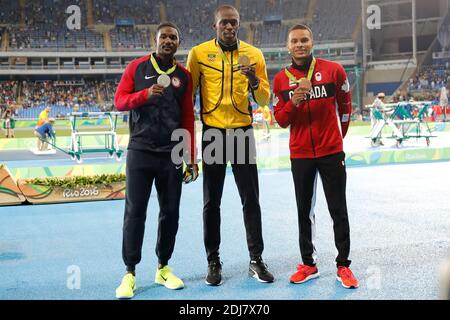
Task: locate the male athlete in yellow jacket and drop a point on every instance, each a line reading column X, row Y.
column 226, row 70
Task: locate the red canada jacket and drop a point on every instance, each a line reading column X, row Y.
column 319, row 124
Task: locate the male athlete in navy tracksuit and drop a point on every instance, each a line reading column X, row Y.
column 158, row 93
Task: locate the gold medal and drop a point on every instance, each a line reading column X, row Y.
column 164, row 80
column 244, row 61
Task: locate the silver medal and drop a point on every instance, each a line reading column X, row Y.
column 164, row 80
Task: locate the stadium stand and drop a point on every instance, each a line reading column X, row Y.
column 126, row 38
column 8, row 92
column 8, row 14
column 107, row 12
column 44, row 25
column 431, row 77
column 335, row 20
column 121, row 26
column 45, row 28
column 272, row 35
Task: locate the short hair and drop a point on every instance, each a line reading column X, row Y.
column 225, row 7
column 167, row 24
column 170, row 25
column 301, row 27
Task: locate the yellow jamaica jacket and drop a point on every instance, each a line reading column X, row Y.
column 224, row 90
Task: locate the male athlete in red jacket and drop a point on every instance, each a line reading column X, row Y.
column 313, row 97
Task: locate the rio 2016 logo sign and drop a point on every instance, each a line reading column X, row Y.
column 82, row 192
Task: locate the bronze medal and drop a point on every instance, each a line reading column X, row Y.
column 305, row 83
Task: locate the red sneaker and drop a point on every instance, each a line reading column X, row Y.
column 304, row 273
column 346, row 278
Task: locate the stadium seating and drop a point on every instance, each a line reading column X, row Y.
column 431, row 77
column 140, row 11
column 57, row 111
column 126, row 38
column 45, row 28
column 272, row 35
column 335, row 20
column 8, row 13
column 62, row 96
column 8, row 92
column 127, row 25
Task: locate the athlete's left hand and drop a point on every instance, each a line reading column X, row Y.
column 250, row 73
column 191, row 173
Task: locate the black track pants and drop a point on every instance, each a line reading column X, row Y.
column 334, row 177
column 246, row 178
column 144, row 168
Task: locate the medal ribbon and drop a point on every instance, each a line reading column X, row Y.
column 310, row 72
column 158, row 69
column 224, row 56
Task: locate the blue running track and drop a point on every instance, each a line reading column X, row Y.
column 400, row 232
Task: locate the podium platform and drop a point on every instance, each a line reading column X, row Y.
column 43, row 153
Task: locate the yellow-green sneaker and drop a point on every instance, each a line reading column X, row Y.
column 165, row 277
column 127, row 287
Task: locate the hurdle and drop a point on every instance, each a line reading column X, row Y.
column 403, row 124
column 110, row 137
column 420, row 128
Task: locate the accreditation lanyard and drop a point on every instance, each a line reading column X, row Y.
column 224, row 56
column 310, row 73
column 158, row 69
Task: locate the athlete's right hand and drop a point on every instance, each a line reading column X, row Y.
column 299, row 95
column 155, row 90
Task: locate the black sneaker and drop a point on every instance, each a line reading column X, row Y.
column 258, row 270
column 214, row 277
